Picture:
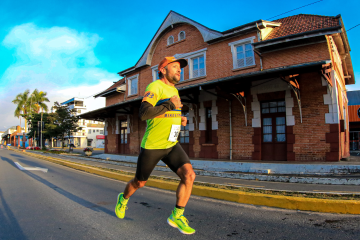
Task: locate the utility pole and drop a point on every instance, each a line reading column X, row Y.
column 41, row 126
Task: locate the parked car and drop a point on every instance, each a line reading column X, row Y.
column 33, row 148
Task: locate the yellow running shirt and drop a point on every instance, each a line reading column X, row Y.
column 157, row 134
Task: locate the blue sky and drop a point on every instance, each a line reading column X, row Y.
column 76, row 48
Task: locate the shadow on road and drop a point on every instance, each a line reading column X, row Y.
column 9, row 227
column 63, row 192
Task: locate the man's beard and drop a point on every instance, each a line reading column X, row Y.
column 173, row 80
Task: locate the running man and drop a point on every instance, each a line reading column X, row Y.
column 161, row 108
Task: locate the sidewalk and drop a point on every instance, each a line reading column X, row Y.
column 340, row 173
column 212, row 186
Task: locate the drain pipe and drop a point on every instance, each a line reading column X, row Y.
column 230, row 130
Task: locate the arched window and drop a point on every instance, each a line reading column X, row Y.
column 181, row 35
column 170, row 40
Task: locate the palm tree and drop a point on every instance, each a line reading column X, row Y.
column 23, row 106
column 38, row 98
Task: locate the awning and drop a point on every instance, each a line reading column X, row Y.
column 125, row 107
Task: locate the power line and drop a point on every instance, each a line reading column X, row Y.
column 295, row 9
column 353, row 27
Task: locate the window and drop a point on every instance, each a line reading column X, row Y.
column 97, row 130
column 93, row 130
column 123, row 132
column 273, row 107
column 196, row 61
column 197, row 67
column 79, row 111
column 181, row 35
column 101, row 131
column 208, row 133
column 170, row 40
column 133, row 85
column 89, row 131
column 155, row 73
column 243, row 53
column 182, row 75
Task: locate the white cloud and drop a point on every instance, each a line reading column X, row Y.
column 57, row 60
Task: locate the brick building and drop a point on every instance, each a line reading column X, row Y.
column 262, row 91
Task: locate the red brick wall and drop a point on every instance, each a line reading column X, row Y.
column 296, row 55
column 115, row 98
column 310, row 135
column 241, row 135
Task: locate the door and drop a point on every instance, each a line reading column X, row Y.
column 273, row 118
column 123, row 138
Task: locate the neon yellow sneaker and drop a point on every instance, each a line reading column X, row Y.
column 177, row 220
column 121, row 206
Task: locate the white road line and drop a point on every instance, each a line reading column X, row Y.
column 30, row 168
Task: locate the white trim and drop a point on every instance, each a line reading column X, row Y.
column 233, row 46
column 129, row 80
column 154, row 69
column 179, row 36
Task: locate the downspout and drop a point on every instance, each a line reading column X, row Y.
column 230, row 130
column 259, row 40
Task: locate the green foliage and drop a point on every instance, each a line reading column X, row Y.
column 58, row 124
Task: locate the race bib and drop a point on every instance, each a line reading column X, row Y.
column 174, row 133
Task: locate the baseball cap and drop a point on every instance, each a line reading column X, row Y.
column 167, row 60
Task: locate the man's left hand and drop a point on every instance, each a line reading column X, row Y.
column 183, row 121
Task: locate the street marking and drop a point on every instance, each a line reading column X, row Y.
column 30, row 168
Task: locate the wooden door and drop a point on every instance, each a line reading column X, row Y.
column 123, row 138
column 273, row 122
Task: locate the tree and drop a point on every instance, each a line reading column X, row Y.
column 64, row 122
column 34, row 129
column 23, row 106
column 38, row 98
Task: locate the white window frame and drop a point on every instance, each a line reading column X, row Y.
column 168, row 40
column 235, row 44
column 191, row 64
column 129, row 80
column 179, row 35
column 154, row 69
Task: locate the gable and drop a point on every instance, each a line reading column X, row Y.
column 172, row 19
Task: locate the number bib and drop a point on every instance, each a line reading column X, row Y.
column 174, row 133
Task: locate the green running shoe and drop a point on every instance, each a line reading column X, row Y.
column 180, row 223
column 121, row 206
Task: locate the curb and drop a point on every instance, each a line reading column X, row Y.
column 287, row 202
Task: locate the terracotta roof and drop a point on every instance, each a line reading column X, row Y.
column 118, row 83
column 302, row 23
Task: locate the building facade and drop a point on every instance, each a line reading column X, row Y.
column 272, row 91
column 91, row 133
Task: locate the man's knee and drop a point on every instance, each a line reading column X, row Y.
column 190, row 176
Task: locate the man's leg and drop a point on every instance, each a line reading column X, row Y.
column 179, row 162
column 187, row 178
column 131, row 187
column 146, row 163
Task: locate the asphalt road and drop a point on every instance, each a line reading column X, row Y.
column 64, row 203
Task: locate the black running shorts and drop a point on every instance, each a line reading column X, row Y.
column 174, row 157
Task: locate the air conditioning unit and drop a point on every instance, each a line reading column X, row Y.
column 121, row 88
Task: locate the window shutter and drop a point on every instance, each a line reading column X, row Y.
column 240, row 56
column 249, row 60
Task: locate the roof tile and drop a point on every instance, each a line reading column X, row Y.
column 302, row 23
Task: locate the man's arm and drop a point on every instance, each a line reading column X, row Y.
column 148, row 111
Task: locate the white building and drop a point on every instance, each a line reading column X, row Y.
column 92, row 132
